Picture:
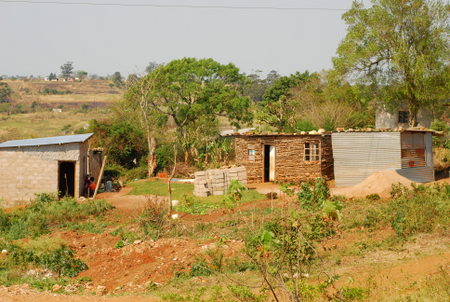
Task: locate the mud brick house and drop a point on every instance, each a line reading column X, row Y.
column 52, row 164
column 357, row 154
column 284, row 157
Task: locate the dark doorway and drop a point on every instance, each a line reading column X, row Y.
column 266, row 163
column 66, row 183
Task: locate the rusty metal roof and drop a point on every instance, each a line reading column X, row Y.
column 45, row 141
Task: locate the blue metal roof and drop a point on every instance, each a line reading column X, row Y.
column 45, row 141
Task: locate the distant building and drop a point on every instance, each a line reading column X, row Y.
column 57, row 110
column 53, row 165
column 400, row 118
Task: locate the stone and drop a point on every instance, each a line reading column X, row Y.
column 101, row 290
column 56, row 287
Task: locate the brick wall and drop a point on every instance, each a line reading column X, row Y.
column 290, row 165
column 29, row 170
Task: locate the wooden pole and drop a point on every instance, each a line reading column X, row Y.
column 99, row 177
column 169, row 183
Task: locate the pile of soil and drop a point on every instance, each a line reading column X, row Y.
column 377, row 183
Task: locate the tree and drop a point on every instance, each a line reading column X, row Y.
column 116, row 78
column 81, row 74
column 185, row 90
column 5, row 92
column 152, row 66
column 67, row 70
column 277, row 108
column 401, row 49
column 52, row 76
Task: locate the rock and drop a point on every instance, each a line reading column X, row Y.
column 175, row 216
column 5, row 252
column 100, row 290
column 71, row 288
column 56, row 287
column 137, row 242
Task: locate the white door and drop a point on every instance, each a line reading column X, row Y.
column 272, row 163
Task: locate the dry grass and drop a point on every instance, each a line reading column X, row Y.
column 89, row 91
column 42, row 124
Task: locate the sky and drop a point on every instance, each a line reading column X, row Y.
column 37, row 39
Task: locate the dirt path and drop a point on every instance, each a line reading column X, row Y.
column 24, row 294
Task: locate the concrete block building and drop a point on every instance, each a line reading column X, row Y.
column 54, row 164
column 284, row 157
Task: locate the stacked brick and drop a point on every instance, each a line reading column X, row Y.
column 217, row 181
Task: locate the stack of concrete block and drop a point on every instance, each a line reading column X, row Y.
column 217, row 181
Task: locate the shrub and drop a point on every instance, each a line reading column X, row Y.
column 420, row 209
column 46, row 212
column 154, row 218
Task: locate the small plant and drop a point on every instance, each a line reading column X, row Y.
column 373, row 197
column 154, row 218
column 119, row 244
column 234, row 195
column 353, row 293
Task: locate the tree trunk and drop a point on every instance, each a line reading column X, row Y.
column 413, row 110
column 151, row 158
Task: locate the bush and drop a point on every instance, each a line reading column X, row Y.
column 60, row 260
column 420, row 209
column 154, row 218
column 46, row 212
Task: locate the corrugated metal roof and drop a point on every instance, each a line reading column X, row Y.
column 45, row 141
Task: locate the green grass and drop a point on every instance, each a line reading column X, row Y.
column 183, row 192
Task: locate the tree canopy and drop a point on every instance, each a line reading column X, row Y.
column 189, row 90
column 400, row 49
column 277, row 107
column 67, row 70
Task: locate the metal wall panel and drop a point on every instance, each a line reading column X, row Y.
column 359, row 154
column 419, row 174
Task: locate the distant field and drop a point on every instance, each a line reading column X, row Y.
column 42, row 124
column 88, row 91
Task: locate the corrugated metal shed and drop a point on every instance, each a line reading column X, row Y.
column 45, row 141
column 359, row 154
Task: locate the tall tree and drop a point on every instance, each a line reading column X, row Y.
column 185, row 90
column 400, row 48
column 67, row 70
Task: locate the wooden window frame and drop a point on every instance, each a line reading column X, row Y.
column 312, row 157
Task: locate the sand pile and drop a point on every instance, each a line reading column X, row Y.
column 377, row 183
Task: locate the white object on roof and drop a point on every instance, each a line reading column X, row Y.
column 45, row 141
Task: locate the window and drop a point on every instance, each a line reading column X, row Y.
column 251, row 154
column 403, row 116
column 312, row 152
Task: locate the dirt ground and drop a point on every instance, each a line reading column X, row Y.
column 130, row 269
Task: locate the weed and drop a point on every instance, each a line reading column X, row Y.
column 154, row 219
column 119, row 244
column 373, row 197
column 353, row 293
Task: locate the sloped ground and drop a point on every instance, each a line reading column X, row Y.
column 130, row 270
